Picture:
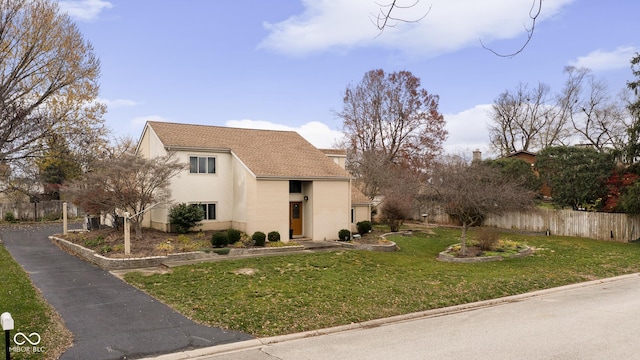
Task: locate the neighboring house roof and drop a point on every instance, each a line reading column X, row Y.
column 340, row 152
column 267, row 153
column 520, row 153
column 357, row 197
column 526, row 156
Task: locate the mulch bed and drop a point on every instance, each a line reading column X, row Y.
column 109, row 242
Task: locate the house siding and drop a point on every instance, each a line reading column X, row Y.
column 271, row 210
column 331, row 208
column 150, row 146
column 361, row 213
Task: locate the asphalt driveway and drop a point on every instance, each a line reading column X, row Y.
column 108, row 318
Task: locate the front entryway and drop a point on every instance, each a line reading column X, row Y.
column 295, row 218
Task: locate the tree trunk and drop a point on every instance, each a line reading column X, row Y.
column 138, row 226
column 463, row 239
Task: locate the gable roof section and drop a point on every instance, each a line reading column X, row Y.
column 357, row 197
column 267, row 153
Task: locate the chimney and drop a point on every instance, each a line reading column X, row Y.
column 477, row 155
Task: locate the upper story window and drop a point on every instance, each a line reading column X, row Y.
column 295, row 186
column 202, row 165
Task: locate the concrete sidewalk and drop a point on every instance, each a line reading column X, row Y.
column 108, row 318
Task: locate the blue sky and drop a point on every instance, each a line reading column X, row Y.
column 285, row 64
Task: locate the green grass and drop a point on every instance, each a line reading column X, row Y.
column 302, row 292
column 30, row 312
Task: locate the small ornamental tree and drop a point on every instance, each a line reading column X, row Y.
column 185, row 217
column 395, row 210
column 127, row 182
column 469, row 192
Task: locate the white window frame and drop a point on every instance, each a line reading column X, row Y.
column 206, row 210
column 206, row 163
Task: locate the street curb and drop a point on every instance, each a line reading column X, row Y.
column 258, row 343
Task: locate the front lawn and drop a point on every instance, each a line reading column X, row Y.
column 286, row 294
column 30, row 314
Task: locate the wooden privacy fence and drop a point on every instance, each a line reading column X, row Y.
column 47, row 210
column 594, row 225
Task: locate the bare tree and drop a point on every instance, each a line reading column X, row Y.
column 597, row 119
column 526, row 119
column 532, row 119
column 126, row 183
column 48, row 83
column 389, row 120
column 469, row 192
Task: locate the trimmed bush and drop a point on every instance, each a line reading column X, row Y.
column 219, row 239
column 364, row 227
column 273, row 236
column 234, row 236
column 344, row 235
column 185, row 216
column 259, row 238
column 9, row 216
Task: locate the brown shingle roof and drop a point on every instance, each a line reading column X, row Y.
column 267, row 153
column 341, row 152
column 357, row 197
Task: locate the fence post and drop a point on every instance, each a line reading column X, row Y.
column 65, row 230
column 127, row 234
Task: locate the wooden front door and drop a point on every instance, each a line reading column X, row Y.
column 295, row 217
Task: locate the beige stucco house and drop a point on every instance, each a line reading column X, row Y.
column 255, row 180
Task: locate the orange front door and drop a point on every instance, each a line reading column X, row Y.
column 295, row 217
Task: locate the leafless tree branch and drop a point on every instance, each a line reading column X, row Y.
column 534, row 13
column 384, row 19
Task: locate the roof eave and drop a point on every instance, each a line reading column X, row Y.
column 303, row 178
column 196, row 149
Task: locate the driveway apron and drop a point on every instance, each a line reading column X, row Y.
column 108, row 318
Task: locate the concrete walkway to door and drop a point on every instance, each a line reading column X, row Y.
column 108, row 318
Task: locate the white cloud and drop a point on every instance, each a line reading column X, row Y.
column 85, row 10
column 315, row 132
column 448, row 25
column 600, row 60
column 468, row 131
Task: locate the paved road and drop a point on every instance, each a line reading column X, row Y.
column 597, row 321
column 108, row 318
